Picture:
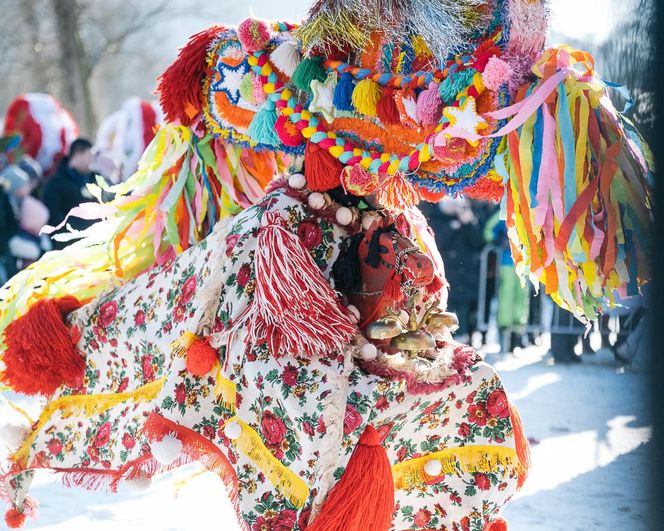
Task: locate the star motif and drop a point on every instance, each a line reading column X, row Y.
column 230, row 77
column 464, row 122
column 323, row 96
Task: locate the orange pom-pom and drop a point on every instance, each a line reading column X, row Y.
column 14, row 519
column 201, row 357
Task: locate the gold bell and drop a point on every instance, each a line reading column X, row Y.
column 384, row 328
column 442, row 320
column 414, row 340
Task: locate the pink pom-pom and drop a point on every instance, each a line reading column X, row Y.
column 253, row 34
column 429, row 105
column 496, row 73
column 258, row 92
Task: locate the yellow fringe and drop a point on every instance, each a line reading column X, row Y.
column 225, row 391
column 87, row 405
column 465, row 459
column 180, row 346
column 286, row 482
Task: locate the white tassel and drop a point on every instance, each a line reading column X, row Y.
column 286, row 57
column 167, row 450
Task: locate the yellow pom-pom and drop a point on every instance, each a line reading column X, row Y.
column 366, row 97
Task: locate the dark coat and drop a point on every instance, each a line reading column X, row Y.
column 8, row 229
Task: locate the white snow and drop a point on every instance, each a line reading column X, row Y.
column 589, row 422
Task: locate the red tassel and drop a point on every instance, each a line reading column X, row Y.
column 522, row 446
column 364, row 497
column 387, row 110
column 499, row 524
column 41, row 352
column 322, row 170
column 293, row 309
column 392, row 290
column 201, row 357
column 179, row 87
column 436, row 285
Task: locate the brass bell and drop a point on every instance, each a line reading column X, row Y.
column 441, row 320
column 414, row 340
column 384, row 328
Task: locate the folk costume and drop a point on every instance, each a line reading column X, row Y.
column 264, row 297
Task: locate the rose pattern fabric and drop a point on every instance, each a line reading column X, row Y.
column 308, row 412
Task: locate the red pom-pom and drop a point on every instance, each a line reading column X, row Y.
column 201, row 357
column 288, row 132
column 499, row 524
column 322, row 170
column 14, row 519
column 253, row 34
column 179, row 87
column 41, row 352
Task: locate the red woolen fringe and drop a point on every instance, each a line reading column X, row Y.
column 322, row 170
column 364, row 497
column 41, row 352
column 294, row 310
column 522, row 446
column 179, row 87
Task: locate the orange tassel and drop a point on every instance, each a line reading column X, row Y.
column 364, row 497
column 41, row 352
column 201, row 357
column 522, row 446
column 322, row 170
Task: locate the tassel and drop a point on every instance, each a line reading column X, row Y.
column 253, row 34
column 429, row 106
column 343, row 93
column 346, row 270
column 309, row 69
column 321, row 169
column 387, row 110
column 286, row 57
column 521, row 444
column 179, row 87
column 293, row 310
column 201, row 357
column 392, row 289
column 397, row 193
column 41, row 352
column 262, row 126
column 366, row 96
column 364, row 497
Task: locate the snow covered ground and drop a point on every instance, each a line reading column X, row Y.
column 588, row 422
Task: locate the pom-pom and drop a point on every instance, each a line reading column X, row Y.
column 247, row 88
column 387, row 110
column 41, row 352
column 366, row 96
column 201, row 357
column 317, row 201
column 297, row 181
column 364, row 497
column 14, row 518
column 343, row 93
column 344, row 216
column 309, row 69
column 496, row 73
column 286, row 57
column 288, row 132
column 253, row 34
column 429, row 106
column 257, row 90
column 167, row 450
column 358, row 181
column 322, row 170
column 354, row 313
column 396, row 192
column 262, row 126
column 499, row 524
column 433, row 468
column 233, row 430
column 369, row 352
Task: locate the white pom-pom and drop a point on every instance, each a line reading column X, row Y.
column 139, row 484
column 317, row 201
column 297, row 181
column 354, row 313
column 286, row 57
column 369, row 352
column 433, row 468
column 12, row 435
column 344, row 216
column 233, row 430
column 167, row 450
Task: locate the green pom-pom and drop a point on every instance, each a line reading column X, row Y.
column 454, row 83
column 247, row 88
column 309, row 69
column 262, row 127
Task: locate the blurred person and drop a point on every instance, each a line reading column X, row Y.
column 8, row 222
column 109, row 165
column 68, row 187
column 35, row 172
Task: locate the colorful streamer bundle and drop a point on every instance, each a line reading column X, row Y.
column 577, row 201
column 183, row 186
